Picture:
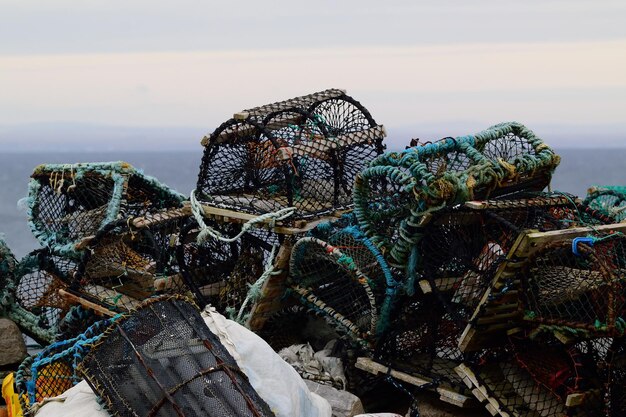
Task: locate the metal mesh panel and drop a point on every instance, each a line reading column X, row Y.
column 163, row 361
column 578, row 286
column 221, row 272
column 72, row 201
column 304, row 155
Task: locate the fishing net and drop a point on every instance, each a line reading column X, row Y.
column 536, row 378
column 423, row 341
column 609, row 200
column 222, row 272
column 38, row 307
column 394, row 195
column 329, row 281
column 578, row 285
column 54, row 370
column 69, row 202
column 7, row 276
column 130, row 260
column 302, row 153
column 162, row 360
column 344, row 235
column 294, row 325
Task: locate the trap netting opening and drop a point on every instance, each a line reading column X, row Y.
column 220, row 272
column 131, row 260
column 69, row 202
column 162, row 360
column 403, row 187
column 578, row 284
column 287, row 155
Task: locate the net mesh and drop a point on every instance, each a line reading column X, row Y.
column 423, row 341
column 221, row 273
column 39, row 276
column 129, row 261
column 329, row 280
column 529, row 377
column 461, row 248
column 578, row 286
column 73, row 201
column 609, row 200
column 53, row 370
column 163, row 361
column 301, row 153
column 402, row 188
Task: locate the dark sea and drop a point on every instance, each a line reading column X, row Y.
column 579, row 169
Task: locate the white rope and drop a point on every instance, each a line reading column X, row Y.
column 207, row 231
column 254, row 291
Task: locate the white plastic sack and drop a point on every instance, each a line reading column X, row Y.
column 275, row 380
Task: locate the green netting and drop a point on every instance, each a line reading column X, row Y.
column 398, row 190
column 610, row 200
column 69, row 202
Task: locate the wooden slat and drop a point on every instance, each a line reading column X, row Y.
column 86, row 303
column 272, row 290
column 446, row 394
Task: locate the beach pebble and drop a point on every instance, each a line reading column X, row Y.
column 12, row 346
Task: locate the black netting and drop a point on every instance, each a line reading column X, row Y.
column 424, row 341
column 72, row 201
column 164, row 361
column 221, row 272
column 576, row 285
column 304, row 153
column 39, row 276
column 327, row 279
column 129, row 261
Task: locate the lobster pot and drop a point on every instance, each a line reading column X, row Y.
column 52, row 371
column 69, row 202
column 577, row 286
column 608, row 200
column 462, row 248
column 330, row 282
column 394, row 192
column 39, row 307
column 535, row 379
column 344, row 235
column 221, row 272
column 423, row 341
column 129, row 261
column 302, row 153
column 164, row 361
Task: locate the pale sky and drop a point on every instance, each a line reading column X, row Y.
column 75, row 70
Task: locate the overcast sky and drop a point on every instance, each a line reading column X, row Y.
column 141, row 71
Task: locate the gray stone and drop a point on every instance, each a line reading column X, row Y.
column 12, row 346
column 343, row 403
